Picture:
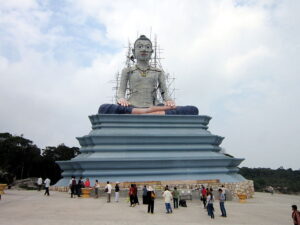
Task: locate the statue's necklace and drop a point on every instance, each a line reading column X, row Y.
column 143, row 73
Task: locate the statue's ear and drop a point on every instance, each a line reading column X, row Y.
column 133, row 53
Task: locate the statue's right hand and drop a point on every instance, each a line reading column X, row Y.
column 123, row 102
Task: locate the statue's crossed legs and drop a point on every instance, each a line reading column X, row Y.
column 154, row 110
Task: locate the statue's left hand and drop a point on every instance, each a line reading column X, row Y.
column 123, row 102
column 170, row 103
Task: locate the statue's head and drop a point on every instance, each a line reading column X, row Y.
column 142, row 48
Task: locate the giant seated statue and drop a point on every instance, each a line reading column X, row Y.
column 143, row 82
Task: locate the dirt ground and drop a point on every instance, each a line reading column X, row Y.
column 33, row 208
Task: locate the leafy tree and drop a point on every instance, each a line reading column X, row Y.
column 60, row 153
column 18, row 155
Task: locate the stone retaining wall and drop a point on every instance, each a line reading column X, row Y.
column 192, row 187
column 246, row 187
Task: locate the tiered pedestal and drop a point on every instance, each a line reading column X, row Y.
column 150, row 148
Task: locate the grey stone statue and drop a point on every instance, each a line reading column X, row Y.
column 144, row 82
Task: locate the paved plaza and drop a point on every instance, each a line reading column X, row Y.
column 33, row 208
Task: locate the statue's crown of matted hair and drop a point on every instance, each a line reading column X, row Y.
column 142, row 37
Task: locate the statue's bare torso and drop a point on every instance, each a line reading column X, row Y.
column 143, row 86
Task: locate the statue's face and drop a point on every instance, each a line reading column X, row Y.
column 142, row 50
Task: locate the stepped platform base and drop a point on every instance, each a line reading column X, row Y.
column 139, row 148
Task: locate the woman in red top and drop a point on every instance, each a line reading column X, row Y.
column 204, row 196
column 87, row 183
column 131, row 195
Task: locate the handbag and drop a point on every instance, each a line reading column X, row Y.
column 106, row 190
column 153, row 196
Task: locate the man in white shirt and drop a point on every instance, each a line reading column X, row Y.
column 168, row 199
column 108, row 188
column 47, row 185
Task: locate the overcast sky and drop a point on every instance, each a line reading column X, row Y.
column 238, row 61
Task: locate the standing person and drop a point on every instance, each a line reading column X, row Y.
column 210, row 204
column 136, row 199
column 47, row 185
column 145, row 195
column 204, row 196
column 175, row 194
column 131, row 195
column 39, row 183
column 224, row 191
column 168, row 198
column 150, row 199
column 79, row 186
column 222, row 202
column 87, row 183
column 271, row 190
column 295, row 215
column 117, row 189
column 73, row 186
column 108, row 189
column 97, row 187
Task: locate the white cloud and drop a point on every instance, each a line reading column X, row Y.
column 20, row 5
column 237, row 62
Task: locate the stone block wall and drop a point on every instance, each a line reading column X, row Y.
column 246, row 187
column 193, row 187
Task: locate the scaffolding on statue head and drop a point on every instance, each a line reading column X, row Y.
column 154, row 62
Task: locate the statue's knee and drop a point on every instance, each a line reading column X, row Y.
column 188, row 110
column 105, row 109
column 194, row 110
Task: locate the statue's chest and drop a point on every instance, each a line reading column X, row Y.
column 143, row 78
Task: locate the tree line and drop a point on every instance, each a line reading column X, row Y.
column 20, row 158
column 282, row 180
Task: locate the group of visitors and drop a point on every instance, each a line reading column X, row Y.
column 208, row 199
column 76, row 186
column 149, row 195
column 46, row 182
column 206, row 196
